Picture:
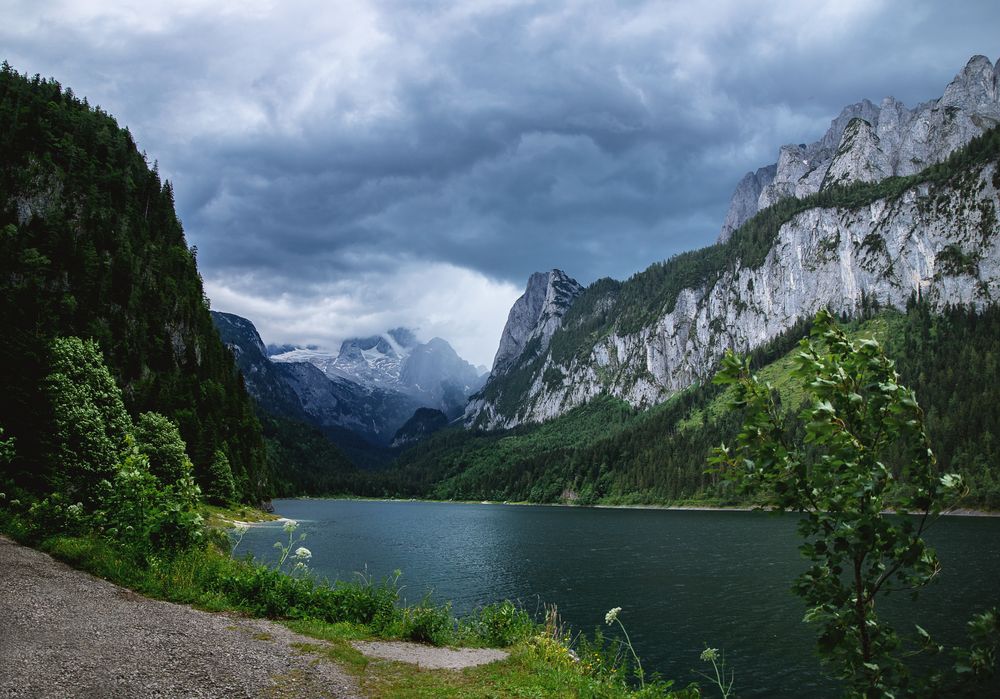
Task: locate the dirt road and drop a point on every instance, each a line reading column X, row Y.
column 64, row 633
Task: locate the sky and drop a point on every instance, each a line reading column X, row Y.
column 348, row 167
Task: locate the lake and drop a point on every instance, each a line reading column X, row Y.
column 684, row 579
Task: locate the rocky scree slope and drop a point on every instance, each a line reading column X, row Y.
column 934, row 235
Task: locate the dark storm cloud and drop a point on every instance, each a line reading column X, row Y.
column 314, row 147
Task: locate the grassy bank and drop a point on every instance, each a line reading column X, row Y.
column 545, row 660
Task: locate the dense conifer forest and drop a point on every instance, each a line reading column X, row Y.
column 607, row 452
column 90, row 246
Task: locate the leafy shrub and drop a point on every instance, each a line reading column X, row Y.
column 368, row 602
column 144, row 516
column 89, row 422
column 502, row 624
column 602, row 657
column 427, row 623
column 55, row 514
column 551, row 651
column 160, row 441
column 6, row 448
column 268, row 592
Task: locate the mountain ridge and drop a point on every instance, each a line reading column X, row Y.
column 91, row 246
column 896, row 141
column 857, row 239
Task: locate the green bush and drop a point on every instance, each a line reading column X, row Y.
column 55, row 514
column 264, row 591
column 427, row 623
column 160, row 441
column 89, row 423
column 145, row 517
column 502, row 624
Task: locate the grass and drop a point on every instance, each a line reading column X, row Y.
column 540, row 662
column 226, row 517
column 530, row 671
column 779, row 374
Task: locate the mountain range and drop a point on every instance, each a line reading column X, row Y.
column 368, row 390
column 596, row 394
column 890, row 204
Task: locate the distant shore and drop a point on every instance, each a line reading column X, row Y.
column 693, row 507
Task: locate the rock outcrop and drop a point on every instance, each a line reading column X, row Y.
column 536, row 315
column 744, row 204
column 941, row 242
column 868, row 143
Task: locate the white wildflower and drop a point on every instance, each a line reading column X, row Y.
column 951, row 480
column 710, row 655
column 290, row 526
column 303, row 553
column 612, row 615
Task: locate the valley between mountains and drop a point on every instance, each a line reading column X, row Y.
column 834, row 356
column 603, row 393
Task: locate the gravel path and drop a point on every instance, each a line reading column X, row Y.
column 64, row 633
column 430, row 657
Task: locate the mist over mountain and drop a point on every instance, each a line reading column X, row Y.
column 364, row 394
column 431, row 373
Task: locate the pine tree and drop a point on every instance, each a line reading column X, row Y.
column 220, row 489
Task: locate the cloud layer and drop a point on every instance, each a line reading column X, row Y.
column 345, row 167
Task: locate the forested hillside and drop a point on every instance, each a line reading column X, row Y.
column 90, row 246
column 731, row 291
column 608, row 452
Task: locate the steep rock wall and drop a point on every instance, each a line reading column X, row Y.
column 938, row 241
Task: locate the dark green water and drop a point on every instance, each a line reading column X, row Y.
column 683, row 579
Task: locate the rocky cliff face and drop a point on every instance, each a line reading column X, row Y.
column 936, row 240
column 868, row 143
column 942, row 242
column 744, row 204
column 536, row 315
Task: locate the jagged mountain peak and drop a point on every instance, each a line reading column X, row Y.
column 357, row 345
column 239, row 334
column 430, row 373
column 536, row 314
column 898, row 141
column 935, row 236
column 975, row 86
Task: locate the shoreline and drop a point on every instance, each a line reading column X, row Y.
column 957, row 512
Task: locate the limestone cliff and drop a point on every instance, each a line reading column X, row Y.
column 868, row 142
column 537, row 314
column 940, row 241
